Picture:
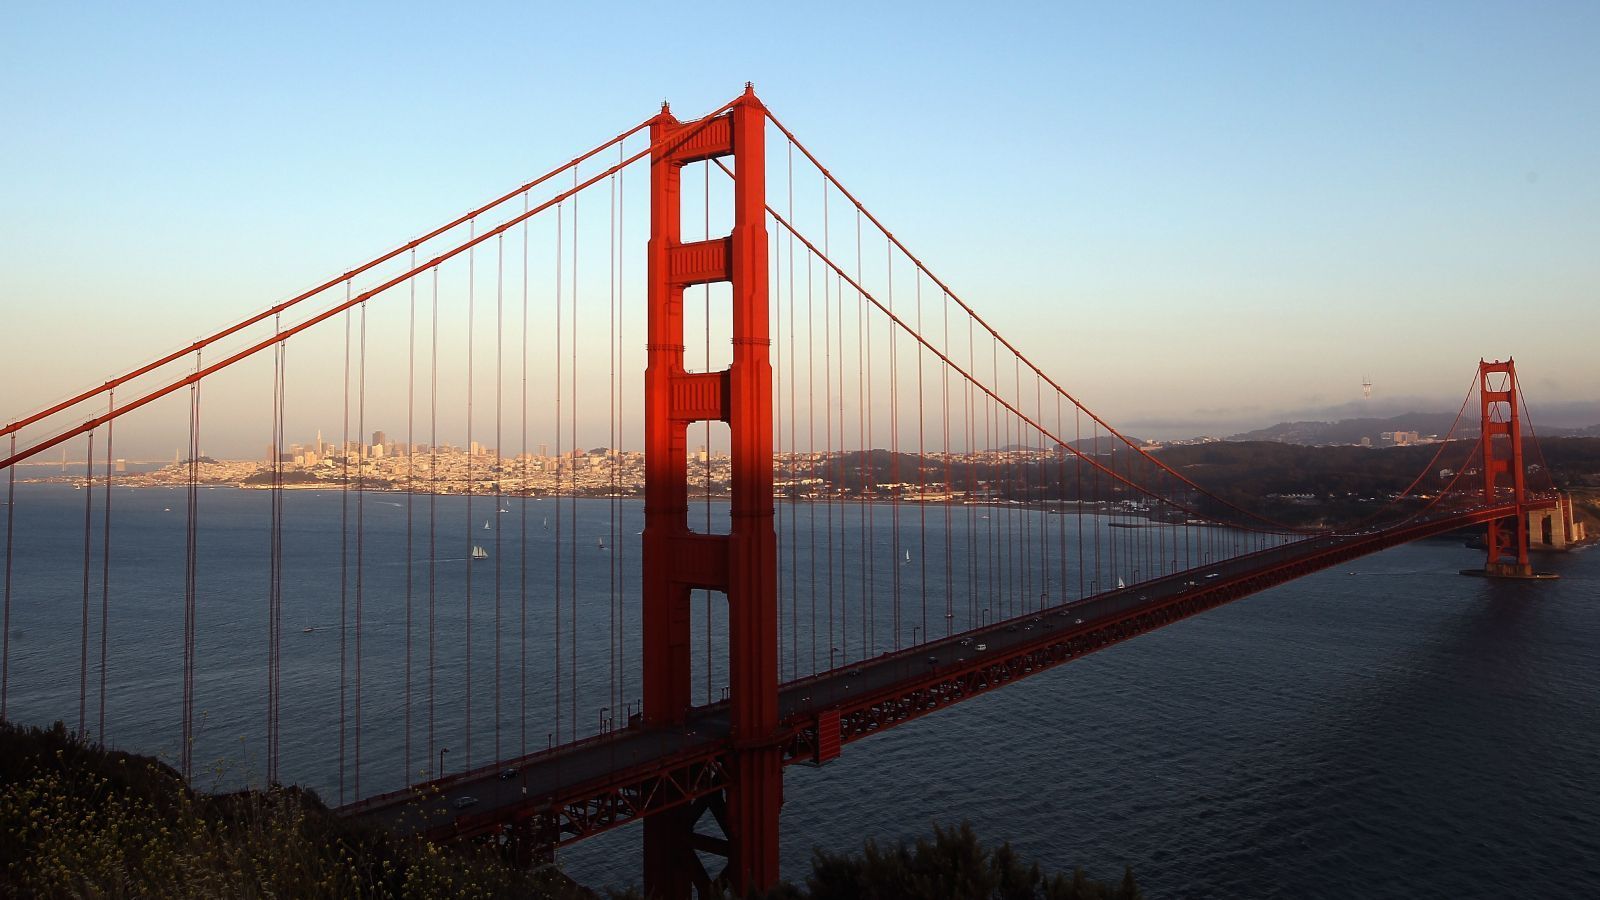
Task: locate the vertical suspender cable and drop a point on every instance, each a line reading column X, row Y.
column 5, row 619
column 622, row 647
column 706, row 447
column 831, row 473
column 868, row 486
column 83, row 639
column 949, row 482
column 274, row 534
column 894, row 445
column 433, row 510
column 1077, row 489
column 972, row 479
column 811, row 447
column 522, row 544
column 705, row 176
column 1042, row 480
column 1094, row 583
column 105, row 571
column 190, row 586
column 780, row 461
column 344, row 543
column 1061, row 511
column 361, row 530
column 411, row 491
column 472, row 451
column 572, row 510
column 992, row 426
column 277, row 625
column 560, row 472
column 922, row 485
column 611, row 444
column 794, row 532
column 499, row 463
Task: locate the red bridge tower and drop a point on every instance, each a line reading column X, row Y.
column 1507, row 542
column 742, row 564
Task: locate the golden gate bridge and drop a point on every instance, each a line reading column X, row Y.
column 911, row 512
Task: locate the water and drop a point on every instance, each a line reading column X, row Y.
column 1400, row 732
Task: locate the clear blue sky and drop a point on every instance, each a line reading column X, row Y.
column 1197, row 216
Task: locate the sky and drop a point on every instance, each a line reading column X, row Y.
column 1200, row 218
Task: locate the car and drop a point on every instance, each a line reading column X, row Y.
column 1213, row 575
column 508, row 773
column 966, row 642
column 1028, row 627
column 464, row 802
column 981, row 647
column 1077, row 621
column 853, row 673
column 933, row 660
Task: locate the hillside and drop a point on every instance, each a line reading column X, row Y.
column 1351, row 431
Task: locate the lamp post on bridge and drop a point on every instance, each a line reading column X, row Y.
column 442, row 752
column 914, row 630
column 832, row 652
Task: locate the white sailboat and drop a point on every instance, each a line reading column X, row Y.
column 479, row 553
column 485, row 524
column 1120, row 584
column 600, row 543
column 907, row 560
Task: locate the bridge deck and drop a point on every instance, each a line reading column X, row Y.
column 579, row 789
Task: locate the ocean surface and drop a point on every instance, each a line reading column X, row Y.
column 1389, row 729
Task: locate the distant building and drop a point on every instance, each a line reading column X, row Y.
column 379, row 439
